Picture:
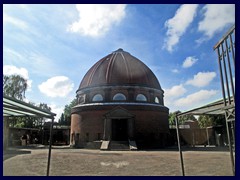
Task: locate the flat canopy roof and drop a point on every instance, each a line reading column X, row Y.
column 13, row 107
column 16, row 108
column 216, row 108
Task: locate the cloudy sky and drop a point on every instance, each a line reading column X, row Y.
column 53, row 46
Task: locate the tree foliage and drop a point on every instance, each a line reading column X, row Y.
column 61, row 121
column 66, row 116
column 44, row 106
column 211, row 120
column 14, row 86
column 181, row 119
column 29, row 122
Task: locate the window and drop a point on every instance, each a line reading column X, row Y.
column 141, row 97
column 119, row 97
column 156, row 100
column 97, row 97
column 81, row 98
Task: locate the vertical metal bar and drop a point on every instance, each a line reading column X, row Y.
column 230, row 144
column 225, row 73
column 208, row 137
column 230, row 72
column 233, row 132
column 179, row 146
column 105, row 126
column 193, row 138
column 232, row 50
column 221, row 75
column 224, row 99
column 50, row 147
column 42, row 130
column 227, row 117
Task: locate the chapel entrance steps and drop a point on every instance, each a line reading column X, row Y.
column 118, row 145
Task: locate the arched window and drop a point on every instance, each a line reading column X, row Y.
column 119, row 97
column 97, row 97
column 156, row 100
column 141, row 97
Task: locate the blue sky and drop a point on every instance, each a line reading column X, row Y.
column 53, row 46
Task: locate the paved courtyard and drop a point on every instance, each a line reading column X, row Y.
column 82, row 162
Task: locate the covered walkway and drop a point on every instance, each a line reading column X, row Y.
column 16, row 108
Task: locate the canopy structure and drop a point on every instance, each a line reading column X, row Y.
column 16, row 108
column 225, row 49
column 214, row 108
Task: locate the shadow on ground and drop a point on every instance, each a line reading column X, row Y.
column 188, row 148
column 13, row 152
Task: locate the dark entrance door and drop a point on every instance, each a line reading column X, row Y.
column 119, row 130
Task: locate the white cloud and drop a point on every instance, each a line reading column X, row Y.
column 58, row 86
column 175, row 70
column 13, row 70
column 97, row 19
column 202, row 79
column 178, row 24
column 189, row 61
column 14, row 21
column 171, row 94
column 12, row 53
column 175, row 91
column 216, row 17
column 195, row 99
column 10, row 70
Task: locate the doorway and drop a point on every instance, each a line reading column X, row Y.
column 119, row 129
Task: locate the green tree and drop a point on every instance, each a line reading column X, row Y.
column 181, row 119
column 61, row 121
column 14, row 86
column 67, row 111
column 29, row 122
column 171, row 118
column 205, row 121
column 41, row 121
column 211, row 120
column 188, row 117
column 44, row 106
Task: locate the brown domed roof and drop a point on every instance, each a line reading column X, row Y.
column 119, row 68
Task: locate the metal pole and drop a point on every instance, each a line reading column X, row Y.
column 225, row 104
column 230, row 145
column 233, row 50
column 50, row 147
column 42, row 129
column 233, row 132
column 226, row 75
column 221, row 75
column 179, row 146
column 104, row 133
column 221, row 57
column 230, row 72
column 208, row 137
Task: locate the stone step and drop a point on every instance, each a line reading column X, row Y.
column 105, row 145
column 132, row 145
column 119, row 145
column 93, row 145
